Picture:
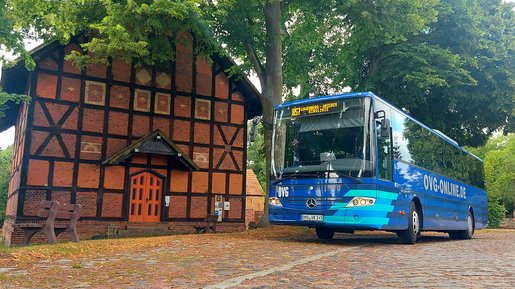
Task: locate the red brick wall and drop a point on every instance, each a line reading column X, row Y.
column 79, row 119
column 32, row 202
column 112, row 205
column 88, row 201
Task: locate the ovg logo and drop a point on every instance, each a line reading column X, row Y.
column 282, row 192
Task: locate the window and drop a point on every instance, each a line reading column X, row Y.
column 417, row 145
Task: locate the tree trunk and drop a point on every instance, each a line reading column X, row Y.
column 271, row 84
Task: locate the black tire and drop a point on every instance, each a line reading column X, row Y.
column 410, row 235
column 325, row 233
column 453, row 235
column 464, row 234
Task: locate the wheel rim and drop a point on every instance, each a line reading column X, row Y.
column 415, row 223
column 470, row 226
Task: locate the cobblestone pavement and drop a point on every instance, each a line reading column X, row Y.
column 277, row 257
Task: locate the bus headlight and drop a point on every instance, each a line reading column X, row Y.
column 274, row 201
column 360, row 202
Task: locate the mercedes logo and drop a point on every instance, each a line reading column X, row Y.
column 311, row 203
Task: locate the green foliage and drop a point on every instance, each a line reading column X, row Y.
column 256, row 155
column 141, row 30
column 443, row 61
column 6, row 97
column 11, row 36
column 494, row 143
column 5, row 171
column 495, row 214
column 500, row 171
column 455, row 72
column 11, row 40
column 499, row 162
column 320, row 38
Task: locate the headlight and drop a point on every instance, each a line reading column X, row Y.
column 360, row 202
column 274, row 201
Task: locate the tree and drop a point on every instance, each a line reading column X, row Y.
column 128, row 30
column 499, row 163
column 500, row 171
column 11, row 40
column 308, row 35
column 5, row 172
column 456, row 74
column 253, row 31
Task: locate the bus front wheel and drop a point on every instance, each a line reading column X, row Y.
column 410, row 235
column 325, row 233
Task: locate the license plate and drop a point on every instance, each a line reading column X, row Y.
column 314, row 218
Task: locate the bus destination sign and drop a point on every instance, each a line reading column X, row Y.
column 315, row 109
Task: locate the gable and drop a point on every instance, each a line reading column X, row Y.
column 188, row 79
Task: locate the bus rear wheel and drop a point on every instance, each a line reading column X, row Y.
column 410, row 235
column 464, row 234
column 325, row 233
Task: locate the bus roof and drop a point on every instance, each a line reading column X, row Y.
column 373, row 96
column 326, row 97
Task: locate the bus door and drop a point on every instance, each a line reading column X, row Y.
column 384, row 156
column 383, row 133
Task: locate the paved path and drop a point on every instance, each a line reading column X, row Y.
column 279, row 257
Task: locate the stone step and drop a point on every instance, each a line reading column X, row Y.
column 146, row 227
column 142, row 233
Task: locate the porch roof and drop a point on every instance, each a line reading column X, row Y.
column 155, row 143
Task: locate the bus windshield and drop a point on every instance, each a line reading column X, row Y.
column 329, row 138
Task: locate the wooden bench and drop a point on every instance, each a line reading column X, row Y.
column 66, row 216
column 209, row 225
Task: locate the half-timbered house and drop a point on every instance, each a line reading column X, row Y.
column 139, row 147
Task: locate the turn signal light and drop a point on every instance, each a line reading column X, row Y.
column 361, row 202
column 273, row 201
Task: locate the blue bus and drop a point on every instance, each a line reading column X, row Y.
column 350, row 162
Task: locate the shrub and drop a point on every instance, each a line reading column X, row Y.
column 496, row 213
column 5, row 169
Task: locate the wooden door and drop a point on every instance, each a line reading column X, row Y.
column 145, row 198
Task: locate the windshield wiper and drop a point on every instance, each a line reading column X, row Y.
column 294, row 175
column 341, row 173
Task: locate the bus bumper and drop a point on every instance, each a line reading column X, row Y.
column 345, row 218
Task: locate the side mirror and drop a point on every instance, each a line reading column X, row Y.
column 380, row 114
column 385, row 127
